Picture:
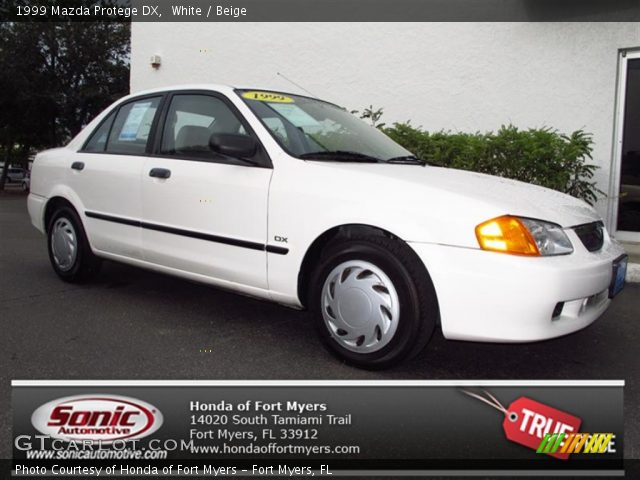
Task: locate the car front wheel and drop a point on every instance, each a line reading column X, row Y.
column 69, row 250
column 373, row 301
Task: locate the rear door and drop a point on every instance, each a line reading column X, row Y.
column 204, row 213
column 106, row 176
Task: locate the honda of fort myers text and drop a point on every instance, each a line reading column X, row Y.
column 294, row 200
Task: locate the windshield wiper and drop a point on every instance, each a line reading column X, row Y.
column 340, row 155
column 407, row 160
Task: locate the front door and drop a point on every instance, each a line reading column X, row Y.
column 628, row 149
column 203, row 213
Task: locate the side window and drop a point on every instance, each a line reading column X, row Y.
column 131, row 127
column 190, row 121
column 98, row 140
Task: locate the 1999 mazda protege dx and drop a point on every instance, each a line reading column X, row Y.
column 294, row 200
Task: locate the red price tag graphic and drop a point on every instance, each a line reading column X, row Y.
column 526, row 421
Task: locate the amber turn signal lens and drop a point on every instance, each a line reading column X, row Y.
column 506, row 234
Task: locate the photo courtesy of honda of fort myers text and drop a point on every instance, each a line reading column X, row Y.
column 260, row 239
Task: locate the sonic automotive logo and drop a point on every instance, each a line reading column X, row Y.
column 103, row 418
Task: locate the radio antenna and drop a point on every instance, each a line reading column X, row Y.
column 294, row 83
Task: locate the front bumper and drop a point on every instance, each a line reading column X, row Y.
column 487, row 296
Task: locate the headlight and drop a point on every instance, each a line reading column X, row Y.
column 523, row 236
column 549, row 237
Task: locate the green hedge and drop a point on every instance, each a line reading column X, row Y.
column 541, row 156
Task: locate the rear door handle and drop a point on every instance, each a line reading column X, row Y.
column 77, row 165
column 160, row 172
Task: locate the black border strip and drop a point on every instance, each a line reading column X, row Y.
column 190, row 234
column 348, row 11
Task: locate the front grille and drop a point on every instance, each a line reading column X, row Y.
column 591, row 235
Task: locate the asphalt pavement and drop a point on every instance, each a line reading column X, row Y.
column 134, row 324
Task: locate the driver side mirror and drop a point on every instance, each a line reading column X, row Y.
column 233, row 144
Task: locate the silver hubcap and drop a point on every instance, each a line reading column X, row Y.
column 64, row 244
column 360, row 306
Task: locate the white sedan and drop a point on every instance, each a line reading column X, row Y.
column 292, row 199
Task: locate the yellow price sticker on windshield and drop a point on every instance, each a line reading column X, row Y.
column 267, row 97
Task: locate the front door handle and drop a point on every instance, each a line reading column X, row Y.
column 160, row 172
column 77, row 165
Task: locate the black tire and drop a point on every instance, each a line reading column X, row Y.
column 86, row 265
column 419, row 311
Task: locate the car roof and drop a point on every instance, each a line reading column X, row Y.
column 206, row 86
column 219, row 87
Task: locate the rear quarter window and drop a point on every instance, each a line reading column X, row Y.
column 98, row 139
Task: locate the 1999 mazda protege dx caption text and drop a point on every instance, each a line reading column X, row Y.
column 294, row 200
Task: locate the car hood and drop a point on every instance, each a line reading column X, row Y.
column 486, row 193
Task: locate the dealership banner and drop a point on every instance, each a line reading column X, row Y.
column 68, row 429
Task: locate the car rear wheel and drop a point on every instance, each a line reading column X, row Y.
column 69, row 250
column 373, row 301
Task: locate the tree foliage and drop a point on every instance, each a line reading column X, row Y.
column 542, row 156
column 55, row 78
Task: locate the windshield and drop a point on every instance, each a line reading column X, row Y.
column 313, row 129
